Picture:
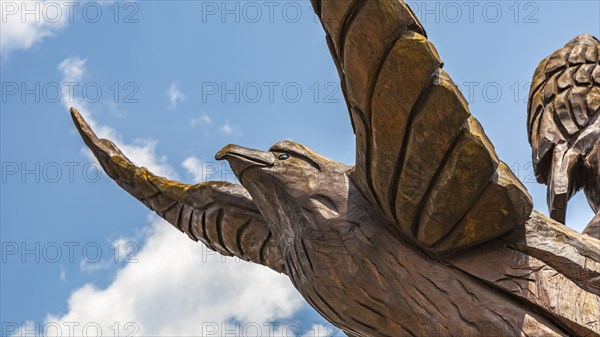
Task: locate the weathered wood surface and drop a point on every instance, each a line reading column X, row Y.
column 349, row 262
column 430, row 234
column 547, row 265
column 564, row 130
column 199, row 210
column 420, row 155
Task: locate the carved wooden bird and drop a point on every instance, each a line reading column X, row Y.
column 564, row 130
column 427, row 234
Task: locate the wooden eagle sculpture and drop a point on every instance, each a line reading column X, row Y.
column 564, row 130
column 428, row 234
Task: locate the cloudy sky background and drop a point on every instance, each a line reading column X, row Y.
column 172, row 82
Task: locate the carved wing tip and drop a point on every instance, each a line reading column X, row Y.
column 103, row 149
column 83, row 127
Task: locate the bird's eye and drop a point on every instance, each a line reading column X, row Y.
column 283, row 156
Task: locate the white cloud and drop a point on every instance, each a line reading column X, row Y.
column 73, row 69
column 123, row 251
column 226, row 129
column 179, row 289
column 24, row 23
column 141, row 152
column 203, row 171
column 175, row 95
column 195, row 168
column 91, row 267
column 202, row 120
column 62, row 273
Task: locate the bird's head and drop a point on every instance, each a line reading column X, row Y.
column 290, row 183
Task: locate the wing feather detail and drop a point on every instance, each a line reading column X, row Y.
column 421, row 156
column 219, row 214
column 563, row 99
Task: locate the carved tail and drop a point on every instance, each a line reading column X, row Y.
column 560, row 186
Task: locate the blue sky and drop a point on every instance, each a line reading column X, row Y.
column 174, row 81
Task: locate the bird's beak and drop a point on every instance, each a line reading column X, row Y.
column 241, row 158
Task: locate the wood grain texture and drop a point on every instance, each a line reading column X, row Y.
column 417, row 142
column 563, row 126
column 221, row 215
column 429, row 234
column 348, row 261
column 547, row 265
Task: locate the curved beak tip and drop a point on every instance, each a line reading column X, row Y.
column 222, row 154
column 246, row 155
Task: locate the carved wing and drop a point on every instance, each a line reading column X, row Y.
column 563, row 101
column 421, row 156
column 219, row 214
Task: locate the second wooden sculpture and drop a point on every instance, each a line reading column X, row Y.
column 564, row 130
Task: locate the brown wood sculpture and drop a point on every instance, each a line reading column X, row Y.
column 429, row 234
column 564, row 130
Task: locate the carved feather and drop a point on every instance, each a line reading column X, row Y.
column 563, row 126
column 421, row 156
column 219, row 214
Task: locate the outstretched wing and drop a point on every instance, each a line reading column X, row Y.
column 219, row 214
column 421, row 156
